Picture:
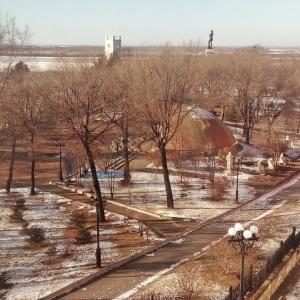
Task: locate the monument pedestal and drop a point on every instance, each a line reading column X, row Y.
column 209, row 52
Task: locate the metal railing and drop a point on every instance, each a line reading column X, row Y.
column 252, row 282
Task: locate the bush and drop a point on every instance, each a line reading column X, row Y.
column 83, row 234
column 20, row 203
column 4, row 277
column 36, row 235
column 18, row 210
column 17, row 214
column 51, row 252
column 25, row 225
column 78, row 220
column 218, row 188
column 187, row 282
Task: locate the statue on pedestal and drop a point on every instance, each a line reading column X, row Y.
column 271, row 164
column 210, row 40
column 282, row 160
column 229, row 159
column 260, row 168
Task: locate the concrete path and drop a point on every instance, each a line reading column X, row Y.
column 162, row 227
column 125, row 280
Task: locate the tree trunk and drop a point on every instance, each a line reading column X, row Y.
column 223, row 114
column 96, row 184
column 247, row 135
column 11, row 165
column 244, row 130
column 32, row 191
column 163, row 153
column 127, row 176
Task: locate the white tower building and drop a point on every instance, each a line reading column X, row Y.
column 112, row 45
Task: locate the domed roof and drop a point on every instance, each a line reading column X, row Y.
column 201, row 130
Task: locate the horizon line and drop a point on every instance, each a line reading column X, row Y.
column 159, row 45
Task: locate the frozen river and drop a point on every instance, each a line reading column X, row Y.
column 39, row 63
column 43, row 63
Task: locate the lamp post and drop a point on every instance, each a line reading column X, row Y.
column 293, row 147
column 58, row 144
column 245, row 240
column 98, row 250
column 237, row 161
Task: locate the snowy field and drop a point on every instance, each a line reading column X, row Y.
column 33, row 272
column 262, row 213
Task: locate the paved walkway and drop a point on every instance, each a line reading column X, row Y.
column 162, row 227
column 121, row 282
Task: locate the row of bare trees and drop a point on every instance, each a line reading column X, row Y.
column 254, row 83
column 149, row 94
column 145, row 95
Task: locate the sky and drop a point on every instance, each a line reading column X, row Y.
column 156, row 22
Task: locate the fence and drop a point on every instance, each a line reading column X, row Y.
column 252, row 282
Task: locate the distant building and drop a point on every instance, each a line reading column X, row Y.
column 112, row 45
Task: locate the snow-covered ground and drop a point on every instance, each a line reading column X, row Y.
column 32, row 273
column 275, row 224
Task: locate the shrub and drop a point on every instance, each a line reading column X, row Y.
column 17, row 214
column 188, row 280
column 51, row 252
column 4, row 277
column 36, row 235
column 83, row 234
column 20, row 203
column 18, row 210
column 78, row 220
column 25, row 225
column 221, row 257
column 218, row 188
column 67, row 249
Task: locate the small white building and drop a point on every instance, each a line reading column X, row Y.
column 112, row 45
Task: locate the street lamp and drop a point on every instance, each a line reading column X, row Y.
column 245, row 240
column 237, row 162
column 98, row 250
column 293, row 147
column 58, row 144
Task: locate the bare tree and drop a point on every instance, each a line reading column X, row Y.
column 247, row 86
column 12, row 38
column 122, row 94
column 80, row 96
column 32, row 114
column 180, row 155
column 278, row 99
column 10, row 106
column 12, row 131
column 163, row 83
column 215, row 83
column 77, row 157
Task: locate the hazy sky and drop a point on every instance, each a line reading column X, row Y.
column 155, row 22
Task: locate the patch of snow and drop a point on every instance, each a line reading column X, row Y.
column 148, row 281
column 198, row 113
